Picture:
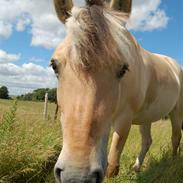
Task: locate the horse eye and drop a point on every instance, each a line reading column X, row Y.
column 54, row 65
column 122, row 70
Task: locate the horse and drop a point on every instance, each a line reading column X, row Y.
column 107, row 80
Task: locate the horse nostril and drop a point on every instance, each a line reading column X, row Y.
column 98, row 176
column 57, row 172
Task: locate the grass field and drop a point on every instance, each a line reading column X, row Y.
column 29, row 147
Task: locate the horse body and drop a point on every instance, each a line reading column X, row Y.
column 106, row 79
column 163, row 86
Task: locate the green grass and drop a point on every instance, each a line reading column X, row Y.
column 29, row 147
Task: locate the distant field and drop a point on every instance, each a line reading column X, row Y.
column 30, row 146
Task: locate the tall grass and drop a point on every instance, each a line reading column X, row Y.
column 28, row 149
column 6, row 125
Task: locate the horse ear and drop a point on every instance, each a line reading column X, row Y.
column 122, row 5
column 63, row 9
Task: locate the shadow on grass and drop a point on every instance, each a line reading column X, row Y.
column 162, row 170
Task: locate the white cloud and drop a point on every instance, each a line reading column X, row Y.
column 25, row 78
column 46, row 29
column 5, row 29
column 7, row 57
column 147, row 16
column 21, row 24
column 37, row 60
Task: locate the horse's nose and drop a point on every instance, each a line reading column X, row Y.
column 78, row 176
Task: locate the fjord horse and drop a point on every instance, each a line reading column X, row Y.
column 105, row 79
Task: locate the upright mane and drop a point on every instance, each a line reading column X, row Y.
column 98, row 37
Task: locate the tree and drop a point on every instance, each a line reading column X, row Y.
column 27, row 97
column 52, row 95
column 4, row 94
column 39, row 95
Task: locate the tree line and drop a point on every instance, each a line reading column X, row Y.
column 36, row 95
column 39, row 95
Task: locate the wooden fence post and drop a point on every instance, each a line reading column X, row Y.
column 45, row 115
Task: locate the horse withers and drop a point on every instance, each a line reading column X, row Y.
column 105, row 79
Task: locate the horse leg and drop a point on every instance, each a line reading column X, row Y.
column 56, row 112
column 145, row 131
column 118, row 141
column 176, row 132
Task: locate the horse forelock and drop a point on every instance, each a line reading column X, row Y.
column 97, row 37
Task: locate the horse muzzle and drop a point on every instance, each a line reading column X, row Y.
column 71, row 175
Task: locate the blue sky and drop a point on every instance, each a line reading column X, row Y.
column 169, row 40
column 29, row 34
